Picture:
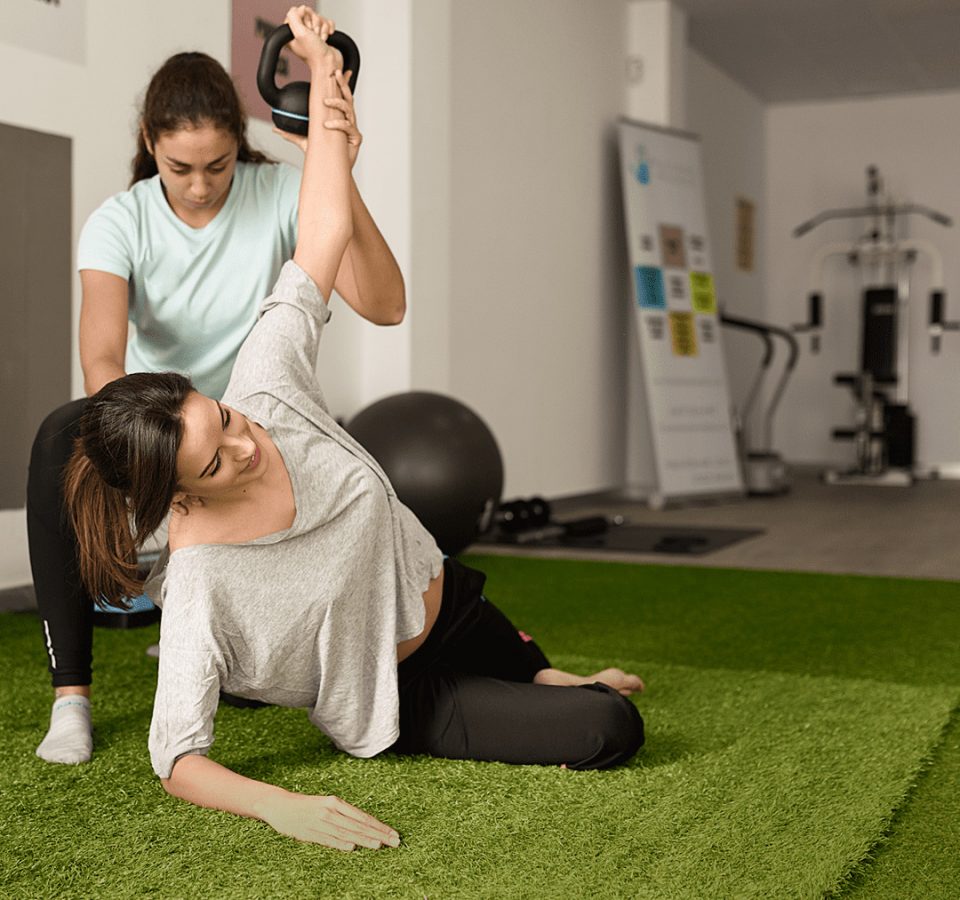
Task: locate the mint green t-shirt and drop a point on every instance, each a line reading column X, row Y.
column 194, row 292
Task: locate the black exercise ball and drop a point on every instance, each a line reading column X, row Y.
column 441, row 458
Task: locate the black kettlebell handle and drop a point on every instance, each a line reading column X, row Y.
column 291, row 103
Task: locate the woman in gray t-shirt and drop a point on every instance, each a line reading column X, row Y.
column 295, row 576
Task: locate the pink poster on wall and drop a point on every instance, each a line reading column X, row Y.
column 251, row 22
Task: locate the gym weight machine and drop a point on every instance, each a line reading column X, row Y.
column 883, row 431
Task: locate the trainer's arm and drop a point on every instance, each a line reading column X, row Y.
column 369, row 279
column 316, row 819
column 103, row 328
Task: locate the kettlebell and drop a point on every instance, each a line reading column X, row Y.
column 291, row 103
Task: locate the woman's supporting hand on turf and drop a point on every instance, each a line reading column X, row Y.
column 327, row 820
column 316, row 819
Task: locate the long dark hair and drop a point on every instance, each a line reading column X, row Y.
column 122, row 476
column 190, row 89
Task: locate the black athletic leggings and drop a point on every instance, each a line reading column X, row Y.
column 66, row 609
column 467, row 693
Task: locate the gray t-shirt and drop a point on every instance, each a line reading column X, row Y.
column 310, row 616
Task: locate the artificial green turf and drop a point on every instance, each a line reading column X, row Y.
column 753, row 783
column 887, row 629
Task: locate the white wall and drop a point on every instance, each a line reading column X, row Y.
column 361, row 362
column 430, row 281
column 520, row 296
column 816, row 157
column 537, row 308
column 655, row 77
column 731, row 124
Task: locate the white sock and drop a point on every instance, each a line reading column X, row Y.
column 70, row 738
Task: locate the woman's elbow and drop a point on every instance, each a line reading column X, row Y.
column 169, row 786
column 174, row 783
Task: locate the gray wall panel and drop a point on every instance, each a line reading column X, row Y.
column 35, row 275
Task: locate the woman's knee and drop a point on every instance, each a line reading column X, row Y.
column 614, row 728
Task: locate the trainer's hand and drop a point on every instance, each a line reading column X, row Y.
column 329, row 821
column 348, row 124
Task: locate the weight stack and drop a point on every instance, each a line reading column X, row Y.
column 899, row 424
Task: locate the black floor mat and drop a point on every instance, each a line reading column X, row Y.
column 687, row 540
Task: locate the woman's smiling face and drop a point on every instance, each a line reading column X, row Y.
column 219, row 454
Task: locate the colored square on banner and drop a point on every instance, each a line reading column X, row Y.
column 702, row 293
column 671, row 247
column 682, row 334
column 650, row 293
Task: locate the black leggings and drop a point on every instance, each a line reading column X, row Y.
column 467, row 693
column 66, row 609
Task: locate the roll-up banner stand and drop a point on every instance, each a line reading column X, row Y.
column 688, row 421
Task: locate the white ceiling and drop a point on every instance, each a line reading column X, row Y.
column 793, row 50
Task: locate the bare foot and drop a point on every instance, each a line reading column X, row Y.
column 622, row 682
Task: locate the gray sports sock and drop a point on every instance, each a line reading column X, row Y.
column 70, row 738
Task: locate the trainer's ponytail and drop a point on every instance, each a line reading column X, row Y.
column 122, row 477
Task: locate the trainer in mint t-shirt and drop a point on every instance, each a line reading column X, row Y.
column 194, row 292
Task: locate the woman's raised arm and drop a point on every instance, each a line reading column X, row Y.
column 325, row 218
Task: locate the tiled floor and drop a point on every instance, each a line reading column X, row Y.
column 912, row 532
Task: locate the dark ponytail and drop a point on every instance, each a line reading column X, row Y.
column 121, row 479
column 100, row 518
column 190, row 89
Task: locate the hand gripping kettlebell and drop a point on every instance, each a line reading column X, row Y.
column 291, row 103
